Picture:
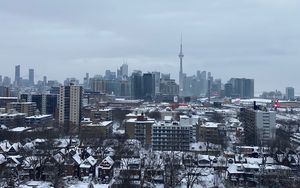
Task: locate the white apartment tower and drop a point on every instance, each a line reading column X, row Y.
column 259, row 126
column 69, row 104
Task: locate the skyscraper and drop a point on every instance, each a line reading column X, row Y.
column 69, row 104
column 136, row 85
column 157, row 81
column 45, row 80
column 242, row 87
column 290, row 93
column 148, row 86
column 181, row 82
column 124, row 70
column 31, row 76
column 17, row 75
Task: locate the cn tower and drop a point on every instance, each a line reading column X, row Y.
column 181, row 70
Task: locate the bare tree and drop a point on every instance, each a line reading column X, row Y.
column 153, row 166
column 192, row 175
column 173, row 175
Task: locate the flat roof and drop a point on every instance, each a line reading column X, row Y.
column 39, row 116
column 19, row 129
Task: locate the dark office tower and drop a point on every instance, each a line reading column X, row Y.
column 290, row 93
column 45, row 80
column 148, row 86
column 17, row 75
column 51, row 104
column 0, row 80
column 31, row 76
column 242, row 87
column 228, row 90
column 249, row 88
column 38, row 99
column 45, row 103
column 4, row 91
column 136, row 85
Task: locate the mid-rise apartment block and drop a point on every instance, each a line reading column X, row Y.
column 259, row 126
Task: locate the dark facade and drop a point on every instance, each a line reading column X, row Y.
column 148, row 86
column 242, row 87
column 136, row 85
column 46, row 103
column 228, row 90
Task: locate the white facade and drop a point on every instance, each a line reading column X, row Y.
column 266, row 125
column 69, row 103
column 171, row 136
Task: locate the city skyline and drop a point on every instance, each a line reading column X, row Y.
column 61, row 45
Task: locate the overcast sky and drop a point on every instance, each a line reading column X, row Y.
column 257, row 39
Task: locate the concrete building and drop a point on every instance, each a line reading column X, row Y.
column 28, row 108
column 209, row 132
column 12, row 119
column 69, row 104
column 171, row 136
column 46, row 103
column 39, row 120
column 140, row 128
column 101, row 130
column 259, row 126
column 101, row 115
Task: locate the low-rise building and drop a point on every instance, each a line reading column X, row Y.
column 28, row 108
column 171, row 136
column 140, row 128
column 209, row 132
column 101, row 130
column 39, row 120
column 12, row 119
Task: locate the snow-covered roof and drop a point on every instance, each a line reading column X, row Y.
column 2, row 159
column 5, row 145
column 91, row 160
column 19, row 129
column 58, row 158
column 77, row 158
column 235, row 169
column 210, row 125
column 39, row 116
column 107, row 163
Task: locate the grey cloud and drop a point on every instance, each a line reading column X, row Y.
column 230, row 38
